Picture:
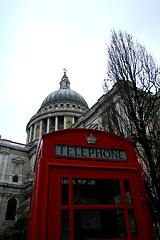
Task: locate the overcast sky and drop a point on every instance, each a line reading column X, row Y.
column 40, row 38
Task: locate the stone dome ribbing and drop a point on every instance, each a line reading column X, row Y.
column 64, row 94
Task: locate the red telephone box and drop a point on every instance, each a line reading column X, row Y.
column 88, row 186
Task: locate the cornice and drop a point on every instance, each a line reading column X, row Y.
column 15, row 186
column 7, row 144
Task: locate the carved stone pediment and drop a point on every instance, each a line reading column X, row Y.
column 18, row 160
column 8, row 195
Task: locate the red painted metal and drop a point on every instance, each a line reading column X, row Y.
column 45, row 204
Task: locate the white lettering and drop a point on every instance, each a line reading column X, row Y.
column 89, row 152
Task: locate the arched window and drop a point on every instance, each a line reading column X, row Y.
column 15, row 178
column 11, row 209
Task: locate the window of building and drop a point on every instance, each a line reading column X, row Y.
column 15, row 178
column 60, row 122
column 44, row 126
column 11, row 209
column 52, row 124
column 76, row 118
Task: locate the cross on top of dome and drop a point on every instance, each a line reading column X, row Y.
column 65, row 70
column 64, row 83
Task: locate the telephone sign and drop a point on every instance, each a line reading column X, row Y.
column 90, row 152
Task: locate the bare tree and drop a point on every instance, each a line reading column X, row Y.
column 132, row 106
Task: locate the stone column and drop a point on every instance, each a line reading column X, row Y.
column 27, row 138
column 3, row 205
column 30, row 133
column 40, row 130
column 1, row 158
column 64, row 122
column 20, row 176
column 5, row 160
column 56, row 123
column 11, row 174
column 34, row 134
column 48, row 124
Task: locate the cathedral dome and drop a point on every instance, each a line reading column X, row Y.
column 64, row 94
column 59, row 110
